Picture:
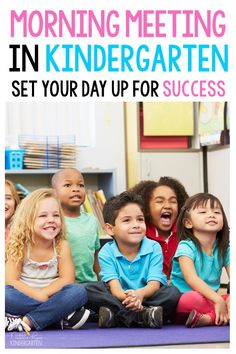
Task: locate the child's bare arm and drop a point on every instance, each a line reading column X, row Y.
column 96, row 266
column 116, row 289
column 227, row 268
column 197, row 284
column 65, row 268
column 12, row 277
column 150, row 289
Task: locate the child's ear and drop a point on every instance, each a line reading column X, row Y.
column 109, row 229
column 187, row 223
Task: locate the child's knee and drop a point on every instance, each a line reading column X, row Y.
column 81, row 292
column 174, row 293
column 190, row 300
column 76, row 291
column 75, row 295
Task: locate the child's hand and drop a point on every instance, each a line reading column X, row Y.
column 133, row 301
column 133, row 304
column 40, row 295
column 221, row 311
column 227, row 301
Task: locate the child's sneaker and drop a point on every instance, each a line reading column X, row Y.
column 152, row 317
column 9, row 319
column 106, row 318
column 15, row 323
column 76, row 319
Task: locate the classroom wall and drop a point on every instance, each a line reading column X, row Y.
column 218, row 161
column 187, row 166
column 98, row 125
column 109, row 150
column 131, row 137
column 184, row 166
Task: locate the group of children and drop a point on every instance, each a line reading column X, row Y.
column 163, row 265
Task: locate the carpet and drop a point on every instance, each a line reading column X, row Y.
column 90, row 336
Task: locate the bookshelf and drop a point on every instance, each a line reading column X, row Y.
column 94, row 179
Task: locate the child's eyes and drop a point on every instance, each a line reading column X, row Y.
column 159, row 201
column 173, row 201
column 68, row 185
column 126, row 220
column 204, row 212
column 45, row 215
column 8, row 198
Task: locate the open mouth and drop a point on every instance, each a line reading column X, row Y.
column 50, row 228
column 76, row 198
column 166, row 218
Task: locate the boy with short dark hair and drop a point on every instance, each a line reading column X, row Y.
column 133, row 290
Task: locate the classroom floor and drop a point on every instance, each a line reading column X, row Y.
column 173, row 337
column 191, row 346
column 171, row 334
column 195, row 346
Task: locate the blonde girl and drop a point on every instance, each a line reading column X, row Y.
column 197, row 265
column 11, row 201
column 39, row 268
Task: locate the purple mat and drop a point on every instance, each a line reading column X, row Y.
column 90, row 336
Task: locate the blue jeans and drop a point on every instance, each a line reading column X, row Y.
column 43, row 314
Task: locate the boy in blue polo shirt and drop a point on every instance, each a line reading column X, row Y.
column 133, row 290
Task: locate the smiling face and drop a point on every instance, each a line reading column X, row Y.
column 10, row 205
column 47, row 224
column 163, row 208
column 70, row 190
column 129, row 228
column 205, row 219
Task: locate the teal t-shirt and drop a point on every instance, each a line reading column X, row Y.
column 135, row 274
column 208, row 268
column 83, row 236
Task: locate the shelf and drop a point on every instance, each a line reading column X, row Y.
column 52, row 171
column 94, row 179
column 30, row 172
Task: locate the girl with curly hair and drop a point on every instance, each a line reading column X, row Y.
column 163, row 201
column 39, row 269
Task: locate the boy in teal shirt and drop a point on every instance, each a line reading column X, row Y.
column 82, row 228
